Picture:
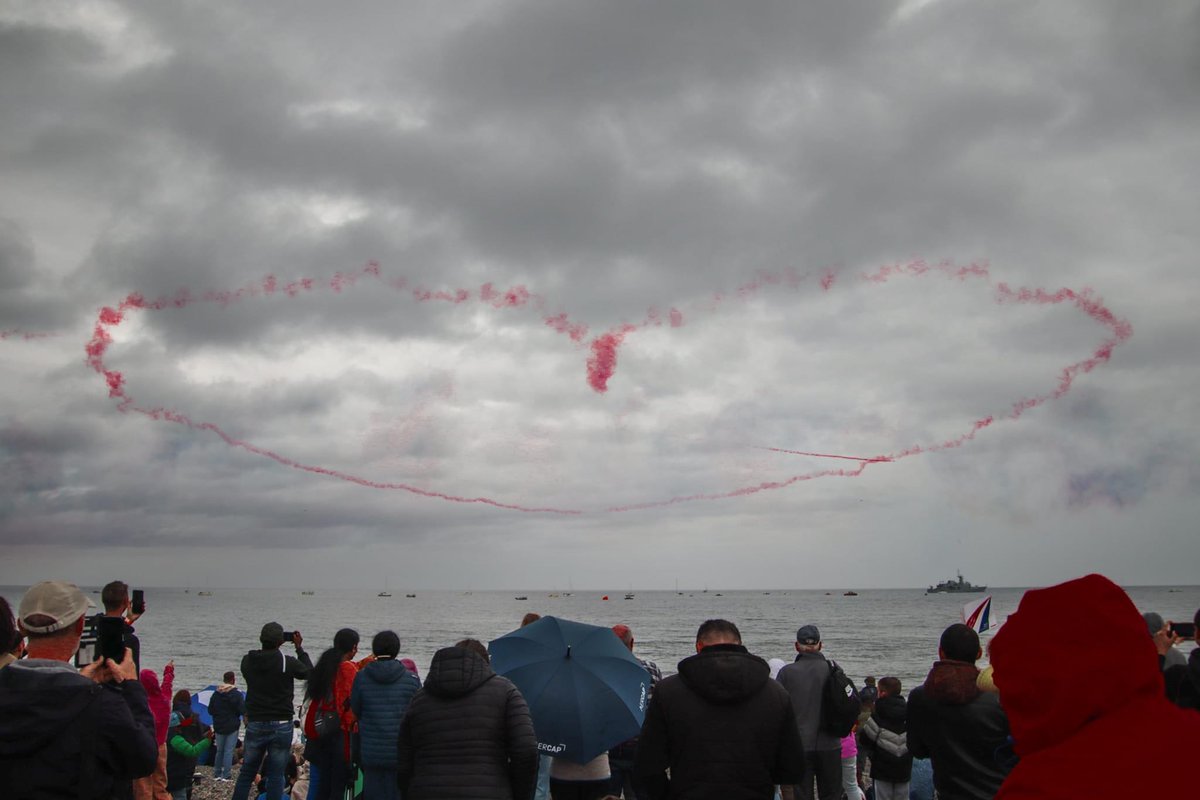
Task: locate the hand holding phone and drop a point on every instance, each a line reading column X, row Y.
column 123, row 670
column 1183, row 630
column 138, row 606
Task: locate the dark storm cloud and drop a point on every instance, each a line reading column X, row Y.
column 609, row 157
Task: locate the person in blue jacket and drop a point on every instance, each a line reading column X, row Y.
column 381, row 693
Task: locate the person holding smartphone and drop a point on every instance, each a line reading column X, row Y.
column 66, row 732
column 117, row 604
column 1183, row 681
column 270, row 706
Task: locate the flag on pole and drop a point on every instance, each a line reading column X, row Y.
column 977, row 614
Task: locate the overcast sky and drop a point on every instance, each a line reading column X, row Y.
column 607, row 259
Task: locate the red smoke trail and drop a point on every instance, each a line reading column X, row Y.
column 108, row 317
column 602, row 362
column 560, row 323
column 744, row 491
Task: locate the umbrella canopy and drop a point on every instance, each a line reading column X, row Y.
column 200, row 703
column 586, row 691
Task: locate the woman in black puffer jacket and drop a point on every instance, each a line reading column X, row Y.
column 467, row 733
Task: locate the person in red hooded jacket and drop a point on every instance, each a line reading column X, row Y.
column 1080, row 682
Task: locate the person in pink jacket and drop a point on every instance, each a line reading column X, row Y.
column 154, row 785
column 850, row 766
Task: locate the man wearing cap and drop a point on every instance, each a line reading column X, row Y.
column 270, row 705
column 805, row 680
column 622, row 756
column 67, row 732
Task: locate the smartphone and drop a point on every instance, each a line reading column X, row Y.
column 110, row 638
column 1184, row 630
column 139, row 602
column 289, row 636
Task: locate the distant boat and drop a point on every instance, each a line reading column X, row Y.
column 851, row 593
column 204, row 594
column 720, row 595
column 410, row 595
column 958, row 586
column 521, row 597
column 308, row 592
column 629, row 595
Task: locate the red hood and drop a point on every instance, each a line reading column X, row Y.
column 1070, row 654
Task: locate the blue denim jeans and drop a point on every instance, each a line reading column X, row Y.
column 543, row 780
column 223, row 756
column 272, row 740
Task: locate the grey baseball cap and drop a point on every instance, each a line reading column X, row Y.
column 808, row 634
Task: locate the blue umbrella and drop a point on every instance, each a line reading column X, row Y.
column 200, row 703
column 585, row 690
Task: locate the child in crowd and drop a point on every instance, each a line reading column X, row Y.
column 884, row 737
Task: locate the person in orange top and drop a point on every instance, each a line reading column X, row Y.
column 329, row 690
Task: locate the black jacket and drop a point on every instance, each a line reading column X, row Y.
column 961, row 729
column 1183, row 683
column 722, row 727
column 467, row 734
column 227, row 707
column 270, row 682
column 884, row 738
column 51, row 717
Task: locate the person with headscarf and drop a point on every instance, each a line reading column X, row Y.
column 1102, row 729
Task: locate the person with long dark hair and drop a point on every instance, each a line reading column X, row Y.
column 328, row 692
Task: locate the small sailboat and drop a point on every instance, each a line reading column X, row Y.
column 385, row 592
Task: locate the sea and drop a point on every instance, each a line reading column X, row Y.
column 878, row 632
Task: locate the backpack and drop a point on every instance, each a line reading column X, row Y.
column 840, row 706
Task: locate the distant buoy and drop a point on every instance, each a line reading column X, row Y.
column 604, row 598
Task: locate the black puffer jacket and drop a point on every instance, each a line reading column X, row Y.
column 961, row 729
column 467, row 734
column 51, row 716
column 724, row 729
column 884, row 737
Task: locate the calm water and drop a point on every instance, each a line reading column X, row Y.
column 880, row 632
